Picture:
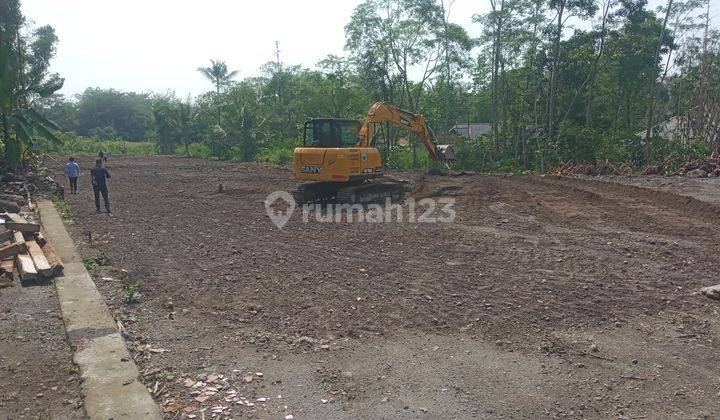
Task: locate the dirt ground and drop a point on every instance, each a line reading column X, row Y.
column 545, row 297
column 38, row 379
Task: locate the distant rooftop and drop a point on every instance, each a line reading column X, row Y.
column 471, row 130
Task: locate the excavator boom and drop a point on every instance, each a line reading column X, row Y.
column 382, row 112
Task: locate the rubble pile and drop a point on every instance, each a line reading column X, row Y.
column 577, row 168
column 699, row 168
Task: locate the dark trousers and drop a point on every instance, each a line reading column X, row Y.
column 73, row 184
column 98, row 190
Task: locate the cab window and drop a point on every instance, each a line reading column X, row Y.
column 331, row 134
column 348, row 134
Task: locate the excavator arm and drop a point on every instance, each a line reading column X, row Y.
column 382, row 112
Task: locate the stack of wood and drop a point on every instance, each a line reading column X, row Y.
column 23, row 248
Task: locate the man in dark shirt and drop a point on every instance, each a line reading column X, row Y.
column 99, row 176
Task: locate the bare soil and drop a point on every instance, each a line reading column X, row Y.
column 545, row 297
column 38, row 379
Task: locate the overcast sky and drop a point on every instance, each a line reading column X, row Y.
column 157, row 45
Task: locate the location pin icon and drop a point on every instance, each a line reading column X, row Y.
column 279, row 217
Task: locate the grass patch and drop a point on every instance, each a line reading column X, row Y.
column 131, row 292
column 62, row 207
column 141, row 323
column 64, row 210
column 90, row 263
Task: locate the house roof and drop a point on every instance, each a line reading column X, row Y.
column 472, row 130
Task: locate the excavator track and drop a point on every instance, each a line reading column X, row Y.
column 315, row 192
column 375, row 191
column 371, row 192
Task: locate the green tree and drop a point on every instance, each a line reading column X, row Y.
column 128, row 113
column 24, row 79
column 218, row 74
column 174, row 123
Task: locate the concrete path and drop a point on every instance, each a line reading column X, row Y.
column 110, row 387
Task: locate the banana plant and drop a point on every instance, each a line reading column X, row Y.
column 20, row 123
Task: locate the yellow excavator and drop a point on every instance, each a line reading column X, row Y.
column 339, row 161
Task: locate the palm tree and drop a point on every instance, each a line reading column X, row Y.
column 217, row 73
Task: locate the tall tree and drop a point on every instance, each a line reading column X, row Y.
column 564, row 9
column 218, row 74
column 25, row 56
column 653, row 84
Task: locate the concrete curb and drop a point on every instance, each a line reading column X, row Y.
column 110, row 387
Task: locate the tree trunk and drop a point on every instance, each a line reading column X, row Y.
column 554, row 71
column 703, row 94
column 653, row 86
column 593, row 71
column 495, row 129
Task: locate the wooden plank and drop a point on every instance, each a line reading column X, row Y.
column 18, row 237
column 40, row 238
column 14, row 217
column 5, row 235
column 23, row 261
column 55, row 263
column 7, row 266
column 26, row 267
column 16, row 222
column 41, row 263
column 11, row 249
column 23, row 227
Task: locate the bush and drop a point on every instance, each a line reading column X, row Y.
column 279, row 152
column 197, row 150
column 73, row 144
column 472, row 153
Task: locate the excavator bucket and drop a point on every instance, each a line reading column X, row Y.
column 445, row 152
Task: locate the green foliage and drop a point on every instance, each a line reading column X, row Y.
column 108, row 113
column 131, row 292
column 74, row 145
column 473, row 153
column 400, row 157
column 90, row 263
column 196, row 150
column 63, row 209
column 218, row 74
column 551, row 94
column 131, row 296
column 278, row 152
column 24, row 62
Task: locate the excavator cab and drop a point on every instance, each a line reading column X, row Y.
column 331, row 132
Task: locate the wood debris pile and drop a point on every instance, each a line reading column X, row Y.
column 23, row 248
column 672, row 165
column 701, row 168
column 604, row 167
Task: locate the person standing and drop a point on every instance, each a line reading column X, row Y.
column 73, row 171
column 99, row 177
